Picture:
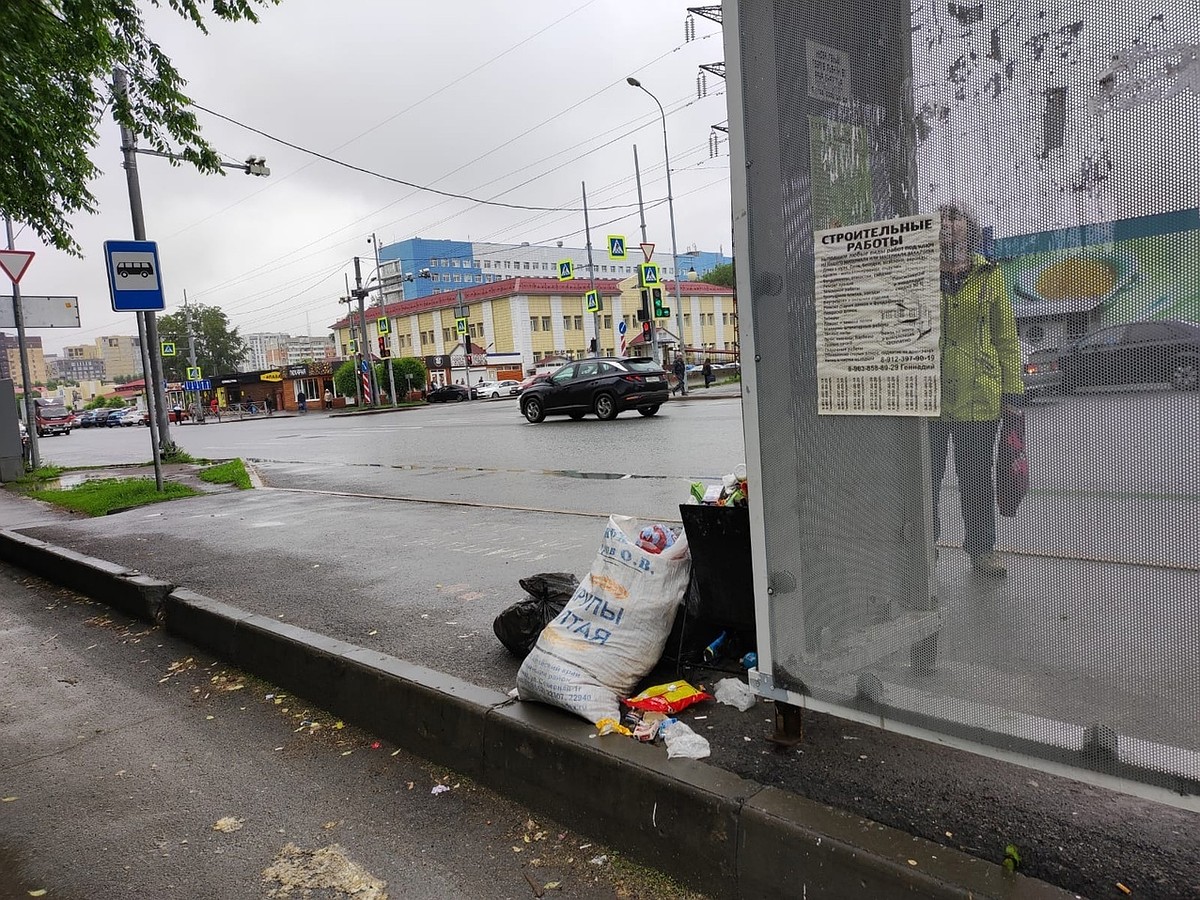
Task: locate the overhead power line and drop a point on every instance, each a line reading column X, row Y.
column 371, row 172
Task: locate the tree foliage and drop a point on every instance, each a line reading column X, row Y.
column 56, row 64
column 722, row 275
column 404, row 368
column 219, row 348
column 344, row 379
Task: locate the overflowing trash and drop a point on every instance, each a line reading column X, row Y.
column 612, row 631
column 736, row 693
column 732, row 491
column 682, row 742
column 667, row 698
column 518, row 626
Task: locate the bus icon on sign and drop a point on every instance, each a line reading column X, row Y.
column 129, row 269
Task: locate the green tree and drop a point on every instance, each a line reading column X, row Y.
column 404, row 368
column 344, row 379
column 219, row 348
column 115, row 403
column 722, row 275
column 56, row 63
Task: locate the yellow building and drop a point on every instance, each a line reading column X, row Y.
column 10, row 366
column 515, row 323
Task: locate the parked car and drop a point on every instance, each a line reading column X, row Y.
column 607, row 386
column 494, row 390
column 450, row 393
column 100, row 416
column 52, row 420
column 86, row 419
column 115, row 418
column 1041, row 374
column 1136, row 353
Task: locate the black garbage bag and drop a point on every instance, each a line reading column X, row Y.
column 518, row 626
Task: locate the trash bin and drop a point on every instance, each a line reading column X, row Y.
column 722, row 589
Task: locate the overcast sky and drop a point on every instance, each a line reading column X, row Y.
column 516, row 102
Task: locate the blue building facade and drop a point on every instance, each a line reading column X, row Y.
column 422, row 267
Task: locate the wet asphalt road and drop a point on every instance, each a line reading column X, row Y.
column 122, row 748
column 428, row 579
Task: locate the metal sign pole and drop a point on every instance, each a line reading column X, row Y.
column 151, row 404
column 642, row 212
column 587, row 229
column 19, row 317
column 461, row 312
column 153, row 372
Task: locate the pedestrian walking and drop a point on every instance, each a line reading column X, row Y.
column 981, row 378
column 709, row 378
column 328, row 398
column 216, row 408
column 270, row 404
column 302, row 402
column 680, row 370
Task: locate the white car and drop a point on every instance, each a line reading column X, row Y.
column 494, row 390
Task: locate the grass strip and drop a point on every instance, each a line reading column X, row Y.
column 232, row 472
column 100, row 497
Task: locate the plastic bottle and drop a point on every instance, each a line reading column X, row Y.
column 713, row 651
column 750, row 660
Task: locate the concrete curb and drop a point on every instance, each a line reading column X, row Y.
column 122, row 588
column 722, row 834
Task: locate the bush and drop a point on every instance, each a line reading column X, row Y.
column 404, row 368
column 344, row 380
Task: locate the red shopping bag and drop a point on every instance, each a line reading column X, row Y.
column 1012, row 465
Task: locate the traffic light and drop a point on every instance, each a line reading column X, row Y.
column 384, row 349
column 660, row 311
column 646, row 337
column 644, row 310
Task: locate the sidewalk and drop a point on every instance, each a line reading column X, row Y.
column 297, row 601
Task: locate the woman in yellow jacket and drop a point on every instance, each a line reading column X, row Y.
column 981, row 374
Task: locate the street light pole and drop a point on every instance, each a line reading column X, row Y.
column 671, row 209
column 153, row 377
column 387, row 360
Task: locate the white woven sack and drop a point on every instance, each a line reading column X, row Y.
column 612, row 630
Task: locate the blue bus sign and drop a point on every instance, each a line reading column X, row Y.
column 134, row 276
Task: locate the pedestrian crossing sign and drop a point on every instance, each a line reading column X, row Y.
column 566, row 270
column 384, row 326
column 460, row 325
column 616, row 246
column 592, row 299
column 193, row 373
column 648, row 275
column 168, row 348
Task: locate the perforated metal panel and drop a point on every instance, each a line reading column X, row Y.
column 1064, row 135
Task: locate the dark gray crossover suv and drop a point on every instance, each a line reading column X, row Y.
column 606, row 386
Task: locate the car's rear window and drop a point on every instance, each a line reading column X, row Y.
column 641, row 365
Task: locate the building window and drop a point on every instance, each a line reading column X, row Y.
column 608, row 321
column 533, row 323
column 454, row 263
column 475, row 263
column 435, row 277
column 566, row 323
column 545, row 323
column 579, row 323
column 507, row 264
column 487, row 263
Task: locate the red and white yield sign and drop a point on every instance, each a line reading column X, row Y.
column 15, row 262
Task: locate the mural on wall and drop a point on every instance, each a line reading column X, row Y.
column 1069, row 282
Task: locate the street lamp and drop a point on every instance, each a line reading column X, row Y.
column 671, row 209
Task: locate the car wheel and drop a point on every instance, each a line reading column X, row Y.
column 577, row 416
column 648, row 410
column 533, row 410
column 1185, row 373
column 606, row 407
